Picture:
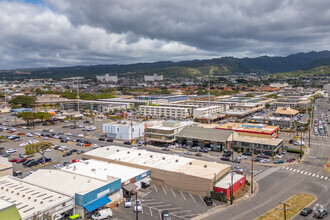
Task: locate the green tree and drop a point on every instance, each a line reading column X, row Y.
column 39, row 147
column 42, row 116
column 249, row 95
column 267, row 105
column 28, row 117
column 92, row 116
column 24, row 101
column 73, row 119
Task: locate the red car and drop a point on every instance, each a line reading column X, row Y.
column 13, row 160
column 21, row 160
column 75, row 160
column 291, row 160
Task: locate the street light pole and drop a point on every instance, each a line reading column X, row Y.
column 231, row 187
column 252, row 172
column 136, row 200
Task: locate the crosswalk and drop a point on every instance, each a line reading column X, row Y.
column 259, row 176
column 302, row 172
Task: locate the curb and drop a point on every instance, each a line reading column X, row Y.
column 315, row 199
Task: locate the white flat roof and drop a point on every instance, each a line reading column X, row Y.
column 168, row 162
column 29, row 198
column 4, row 204
column 64, row 182
column 182, row 124
column 102, row 170
column 226, row 181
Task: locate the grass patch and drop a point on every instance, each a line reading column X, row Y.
column 295, row 203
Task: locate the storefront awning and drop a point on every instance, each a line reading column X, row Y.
column 130, row 187
column 97, row 203
column 146, row 180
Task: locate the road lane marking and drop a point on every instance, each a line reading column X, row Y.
column 173, row 208
column 202, row 200
column 287, row 168
column 182, row 195
column 156, row 206
column 160, row 216
column 298, row 171
column 294, row 170
column 164, row 190
column 321, row 177
column 325, row 177
column 305, row 173
column 148, row 203
column 150, row 211
column 214, row 204
column 173, row 192
column 192, row 197
column 301, row 171
column 184, row 216
column 313, row 174
column 317, row 175
column 181, row 211
column 155, row 188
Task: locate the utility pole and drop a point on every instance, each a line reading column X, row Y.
column 231, row 187
column 131, row 131
column 301, row 140
column 136, row 201
column 209, row 101
column 252, row 172
column 284, row 209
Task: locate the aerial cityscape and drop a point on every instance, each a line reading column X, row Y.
column 165, row 110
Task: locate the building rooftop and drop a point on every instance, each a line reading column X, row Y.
column 257, row 140
column 225, row 182
column 4, row 204
column 205, row 134
column 167, row 162
column 29, row 198
column 168, row 128
column 286, row 111
column 102, row 170
column 4, row 164
column 248, row 127
column 65, row 182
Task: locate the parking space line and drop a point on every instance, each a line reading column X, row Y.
column 173, row 208
column 184, row 216
column 321, row 177
column 192, row 198
column 148, row 203
column 326, row 178
column 182, row 195
column 173, row 192
column 150, row 211
column 164, row 190
column 147, row 200
column 176, row 212
column 155, row 188
column 160, row 215
column 155, row 206
column 309, row 174
column 214, row 204
column 202, row 200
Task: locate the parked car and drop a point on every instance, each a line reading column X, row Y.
column 320, row 213
column 198, row 154
column 109, row 140
column 14, row 160
column 73, row 150
column 165, row 149
column 32, row 163
column 256, row 159
column 127, row 143
column 17, row 173
column 188, row 153
column 75, row 160
column 247, row 153
column 128, row 202
column 103, row 214
column 140, row 143
column 208, row 201
column 242, row 157
column 27, row 161
column 225, row 158
column 79, row 144
column 291, row 160
column 58, row 166
column 11, row 151
column 102, row 139
column 66, row 163
column 166, row 215
column 236, row 160
column 137, row 206
column 263, row 156
column 80, row 151
column 67, row 154
column 280, row 156
column 278, row 161
column 264, row 161
column 306, row 211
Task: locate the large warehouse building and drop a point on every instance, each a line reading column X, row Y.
column 186, row 174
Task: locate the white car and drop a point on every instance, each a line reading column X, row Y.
column 11, row 151
column 58, row 166
column 45, row 138
column 188, row 153
column 29, row 135
column 95, row 146
column 80, row 135
column 49, row 150
column 280, row 156
column 102, row 214
column 265, row 161
column 23, row 144
column 242, row 157
column 137, row 206
column 81, row 126
column 128, row 202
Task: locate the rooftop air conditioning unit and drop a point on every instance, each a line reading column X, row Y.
column 117, row 150
column 108, row 148
column 176, row 160
column 163, row 158
column 139, row 154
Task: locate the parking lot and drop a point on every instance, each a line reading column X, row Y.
column 156, row 198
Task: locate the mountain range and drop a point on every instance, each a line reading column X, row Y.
column 215, row 66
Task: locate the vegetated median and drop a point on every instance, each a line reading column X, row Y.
column 293, row 205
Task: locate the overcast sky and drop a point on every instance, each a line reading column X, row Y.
column 37, row 33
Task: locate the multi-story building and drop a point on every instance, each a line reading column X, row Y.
column 167, row 131
column 124, row 130
column 293, row 102
column 153, row 78
column 164, row 111
column 107, row 78
column 211, row 110
column 169, row 98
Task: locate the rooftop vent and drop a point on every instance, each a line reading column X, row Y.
column 190, row 163
column 29, row 197
column 93, row 170
column 163, row 158
column 139, row 154
column 41, row 202
column 176, row 160
column 108, row 148
column 205, row 166
column 117, row 150
column 35, row 200
column 150, row 156
column 127, row 152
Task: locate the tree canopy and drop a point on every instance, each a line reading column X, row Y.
column 24, row 101
column 39, row 147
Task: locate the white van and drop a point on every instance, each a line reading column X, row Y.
column 102, row 214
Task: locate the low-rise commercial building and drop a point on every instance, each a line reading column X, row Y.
column 169, row 98
column 258, row 145
column 6, row 168
column 100, row 106
column 164, row 111
column 225, row 185
column 253, row 130
column 125, row 130
column 215, row 139
column 286, row 112
column 181, row 173
column 282, row 122
column 107, row 78
column 167, row 131
column 294, row 102
column 89, row 193
column 31, row 199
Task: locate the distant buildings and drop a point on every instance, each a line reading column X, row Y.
column 153, row 78
column 164, row 111
column 107, row 78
